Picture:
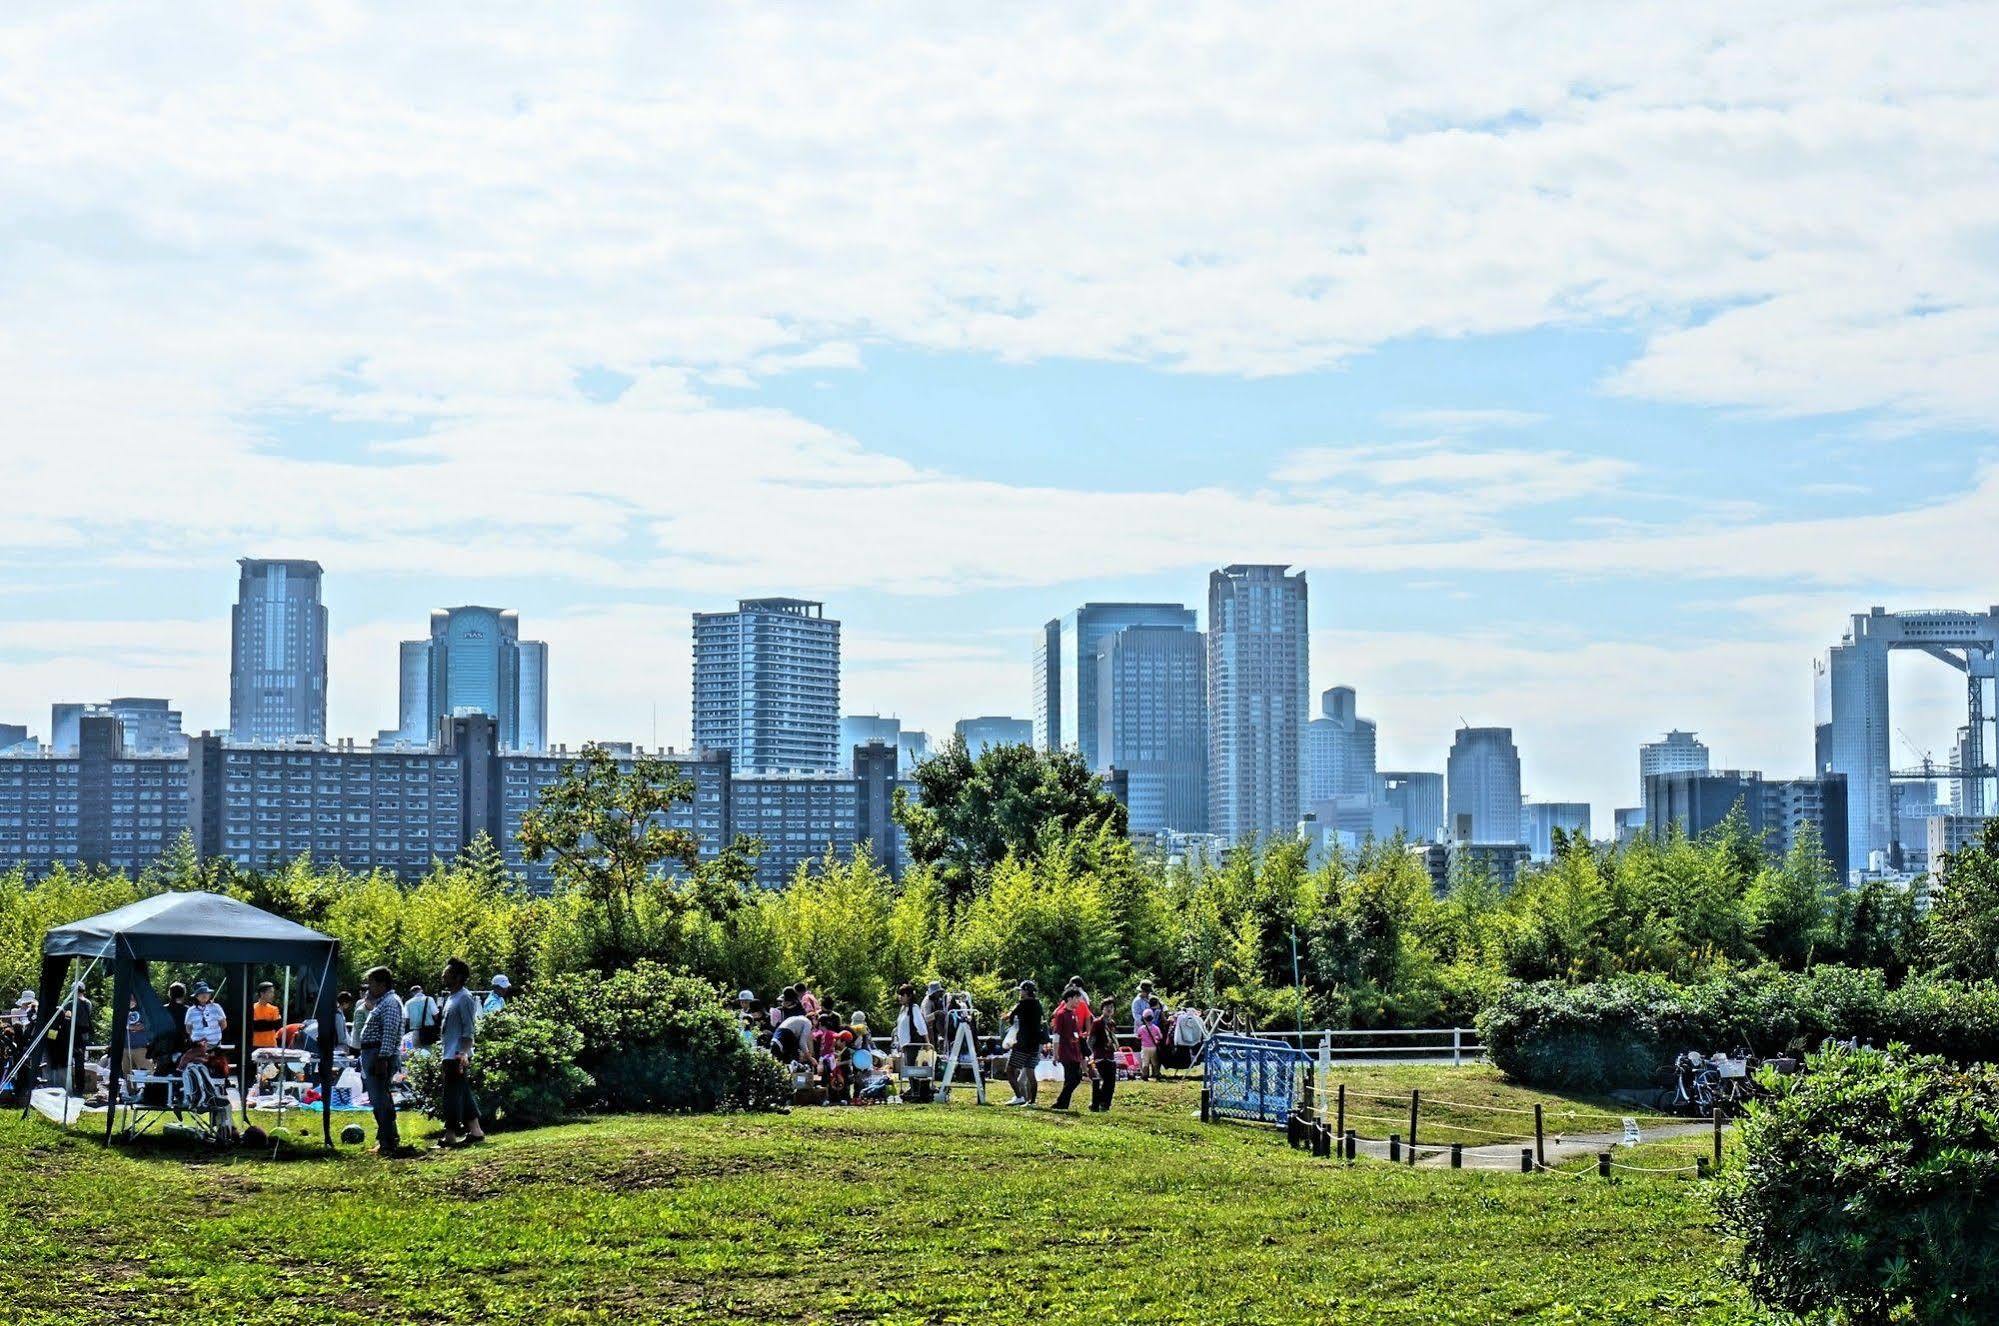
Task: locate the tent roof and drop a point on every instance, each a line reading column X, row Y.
column 189, row 927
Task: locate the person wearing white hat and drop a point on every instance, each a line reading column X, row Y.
column 497, row 1000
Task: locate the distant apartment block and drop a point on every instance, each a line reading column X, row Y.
column 767, row 686
column 95, row 806
column 277, row 653
column 1259, row 656
column 150, row 726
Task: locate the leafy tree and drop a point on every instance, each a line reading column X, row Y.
column 970, row 815
column 605, row 828
column 1792, row 903
column 1963, row 931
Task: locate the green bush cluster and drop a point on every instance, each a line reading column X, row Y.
column 524, row 1074
column 1869, row 1189
column 1626, row 1031
column 647, row 1038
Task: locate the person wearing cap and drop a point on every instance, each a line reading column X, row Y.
column 1141, row 1003
column 936, row 1004
column 266, row 1018
column 1030, row 1030
column 205, row 1024
column 497, row 998
column 22, row 1014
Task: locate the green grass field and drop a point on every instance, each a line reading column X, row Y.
column 891, row 1214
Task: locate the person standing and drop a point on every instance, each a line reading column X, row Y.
column 1103, row 1059
column 1030, row 1030
column 265, row 1018
column 457, row 1033
column 381, row 1043
column 1069, row 1032
column 1140, row 1003
column 420, row 1012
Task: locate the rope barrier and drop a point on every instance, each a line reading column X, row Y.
column 1657, row 1169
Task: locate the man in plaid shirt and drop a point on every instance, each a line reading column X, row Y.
column 381, row 1044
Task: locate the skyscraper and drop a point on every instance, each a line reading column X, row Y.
column 1065, row 670
column 1483, row 787
column 277, row 653
column 1152, row 723
column 1339, row 750
column 767, row 685
column 983, row 733
column 1678, row 752
column 1418, row 801
column 475, row 663
column 1544, row 817
column 1259, row 654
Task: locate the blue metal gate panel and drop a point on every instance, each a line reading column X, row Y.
column 1252, row 1079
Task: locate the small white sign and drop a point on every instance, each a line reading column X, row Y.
column 1631, row 1132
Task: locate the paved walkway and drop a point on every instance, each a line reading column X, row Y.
column 1506, row 1155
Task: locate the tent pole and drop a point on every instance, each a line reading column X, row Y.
column 284, row 1020
column 244, row 1048
column 121, row 994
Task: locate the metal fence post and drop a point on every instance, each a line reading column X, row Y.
column 1717, row 1137
column 1540, row 1151
column 1340, row 1123
column 1415, row 1100
column 1457, row 1047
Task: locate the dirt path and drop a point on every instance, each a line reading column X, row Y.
column 1506, row 1155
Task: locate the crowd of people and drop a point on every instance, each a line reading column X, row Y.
column 376, row 1029
column 835, row 1060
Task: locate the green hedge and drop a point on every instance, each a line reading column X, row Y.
column 1625, row 1032
column 1868, row 1191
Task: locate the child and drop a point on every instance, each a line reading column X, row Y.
column 1148, row 1048
column 828, row 1048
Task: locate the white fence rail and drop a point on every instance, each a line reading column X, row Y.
column 1455, row 1044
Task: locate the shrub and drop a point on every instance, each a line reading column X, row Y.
column 1626, row 1030
column 524, row 1069
column 758, row 1083
column 1868, row 1191
column 650, row 1038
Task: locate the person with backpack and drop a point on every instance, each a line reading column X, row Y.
column 421, row 1012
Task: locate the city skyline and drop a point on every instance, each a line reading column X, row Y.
column 1555, row 380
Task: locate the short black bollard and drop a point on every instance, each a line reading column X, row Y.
column 1717, row 1136
column 1206, row 1109
column 1293, row 1125
column 1603, row 1164
column 1322, row 1141
column 1353, row 1145
column 1700, row 1167
column 1526, row 1160
column 1395, row 1148
column 1457, row 1155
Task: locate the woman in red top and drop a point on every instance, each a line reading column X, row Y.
column 1069, row 1029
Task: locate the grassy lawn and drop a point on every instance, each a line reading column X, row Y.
column 892, row 1214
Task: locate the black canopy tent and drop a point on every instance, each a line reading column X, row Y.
column 199, row 928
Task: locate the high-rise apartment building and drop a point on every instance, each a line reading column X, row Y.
column 982, row 734
column 1483, row 787
column 767, row 686
column 475, row 663
column 277, row 652
column 1339, row 750
column 1152, row 723
column 1677, row 752
column 867, row 730
column 1417, row 799
column 1259, row 657
column 1065, row 670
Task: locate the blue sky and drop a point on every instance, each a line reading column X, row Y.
column 1594, row 365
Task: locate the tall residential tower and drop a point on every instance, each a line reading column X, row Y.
column 767, row 686
column 1259, row 654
